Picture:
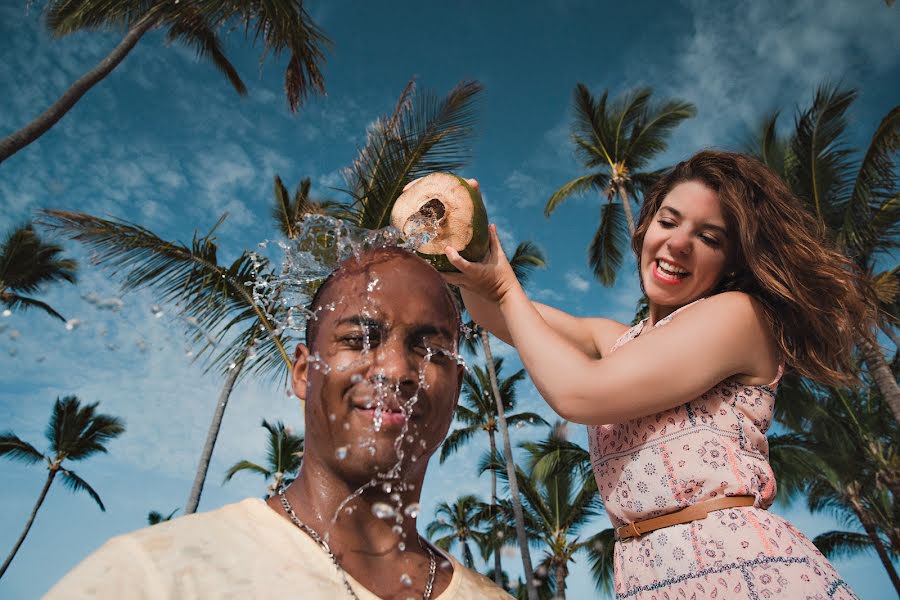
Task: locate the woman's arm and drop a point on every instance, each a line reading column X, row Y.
column 722, row 336
column 592, row 336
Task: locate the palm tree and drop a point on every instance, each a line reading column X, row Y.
column 26, row 264
column 478, row 412
column 219, row 309
column 615, row 143
column 843, row 453
column 458, row 523
column 560, row 497
column 280, row 26
column 854, row 199
column 284, row 455
column 155, row 517
column 74, row 432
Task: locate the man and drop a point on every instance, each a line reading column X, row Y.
column 380, row 380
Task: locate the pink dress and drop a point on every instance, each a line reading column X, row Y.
column 712, row 446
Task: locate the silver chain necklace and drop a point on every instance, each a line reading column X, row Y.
column 432, row 563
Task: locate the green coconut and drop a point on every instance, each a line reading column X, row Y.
column 443, row 210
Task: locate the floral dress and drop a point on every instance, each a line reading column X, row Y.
column 712, row 446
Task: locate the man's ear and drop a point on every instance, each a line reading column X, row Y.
column 300, row 372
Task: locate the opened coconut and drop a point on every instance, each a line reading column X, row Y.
column 442, row 210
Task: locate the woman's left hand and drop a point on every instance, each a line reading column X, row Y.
column 492, row 278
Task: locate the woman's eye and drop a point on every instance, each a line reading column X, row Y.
column 666, row 224
column 710, row 241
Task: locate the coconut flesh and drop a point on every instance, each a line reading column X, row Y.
column 442, row 210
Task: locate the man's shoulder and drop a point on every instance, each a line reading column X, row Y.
column 468, row 584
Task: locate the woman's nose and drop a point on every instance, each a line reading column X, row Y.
column 679, row 242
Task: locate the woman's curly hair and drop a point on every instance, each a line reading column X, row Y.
column 816, row 302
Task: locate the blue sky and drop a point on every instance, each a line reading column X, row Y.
column 165, row 142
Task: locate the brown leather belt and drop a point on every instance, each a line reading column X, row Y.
column 694, row 512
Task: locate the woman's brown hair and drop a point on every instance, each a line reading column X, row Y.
column 814, row 298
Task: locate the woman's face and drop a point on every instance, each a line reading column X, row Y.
column 685, row 248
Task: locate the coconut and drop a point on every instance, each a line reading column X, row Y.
column 442, row 210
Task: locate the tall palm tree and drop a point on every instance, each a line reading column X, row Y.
column 75, row 432
column 560, row 497
column 224, row 319
column 458, row 523
column 854, row 198
column 280, row 26
column 843, row 453
column 284, row 456
column 615, row 142
column 27, row 263
column 478, row 412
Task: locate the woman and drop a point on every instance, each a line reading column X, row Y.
column 740, row 286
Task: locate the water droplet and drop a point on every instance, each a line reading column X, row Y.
column 332, row 417
column 406, row 580
column 410, row 439
column 346, row 426
column 356, row 378
column 341, row 453
column 156, row 310
column 397, row 529
column 395, row 497
column 383, row 511
column 412, row 510
column 401, row 546
column 72, row 324
column 386, row 486
column 520, row 424
column 232, row 366
column 7, row 312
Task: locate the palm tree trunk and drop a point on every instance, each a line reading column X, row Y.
column 561, row 573
column 888, row 330
column 34, row 511
column 510, row 470
column 213, row 434
column 498, row 575
column 629, row 217
column 881, row 373
column 876, row 541
column 26, row 135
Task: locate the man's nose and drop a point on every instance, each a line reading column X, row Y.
column 392, row 365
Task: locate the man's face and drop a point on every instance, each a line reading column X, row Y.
column 381, row 380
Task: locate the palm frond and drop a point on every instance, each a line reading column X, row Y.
column 245, row 465
column 842, row 544
column 68, row 16
column 766, row 145
column 205, row 291
column 430, row 135
column 650, row 130
column 27, row 262
column 455, row 440
column 579, row 185
column 77, row 484
column 605, row 253
column 525, row 258
column 822, row 159
column 19, row 302
column 876, row 181
column 77, row 431
column 192, row 30
column 601, row 555
column 17, row 449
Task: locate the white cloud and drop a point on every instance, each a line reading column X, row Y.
column 576, row 282
column 526, row 190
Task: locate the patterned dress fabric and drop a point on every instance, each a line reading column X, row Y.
column 712, row 446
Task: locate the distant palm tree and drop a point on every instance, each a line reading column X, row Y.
column 855, row 200
column 478, row 412
column 458, row 522
column 280, row 26
column 843, row 454
column 74, row 432
column 615, row 143
column 560, row 497
column 155, row 518
column 27, row 263
column 284, row 456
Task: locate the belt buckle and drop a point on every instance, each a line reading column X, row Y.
column 635, row 532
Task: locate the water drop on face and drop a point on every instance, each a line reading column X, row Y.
column 401, row 546
column 412, row 510
column 397, row 529
column 346, row 426
column 406, row 580
column 395, row 497
column 386, row 486
column 332, row 417
column 341, row 453
column 356, row 378
column 382, row 510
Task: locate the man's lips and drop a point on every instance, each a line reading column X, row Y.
column 388, row 418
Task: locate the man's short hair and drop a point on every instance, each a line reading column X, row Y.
column 353, row 266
